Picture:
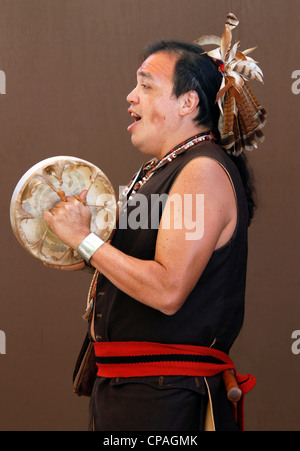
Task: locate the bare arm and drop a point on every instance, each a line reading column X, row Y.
column 165, row 282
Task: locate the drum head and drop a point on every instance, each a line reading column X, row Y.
column 38, row 190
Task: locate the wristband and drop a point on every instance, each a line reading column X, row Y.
column 89, row 245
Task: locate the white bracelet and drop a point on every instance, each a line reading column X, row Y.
column 89, row 245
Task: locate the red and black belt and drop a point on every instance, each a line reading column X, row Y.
column 139, row 359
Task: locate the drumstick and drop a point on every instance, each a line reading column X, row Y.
column 234, row 393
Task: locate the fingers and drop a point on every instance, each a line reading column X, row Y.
column 69, row 200
column 83, row 195
column 63, row 204
column 81, row 198
column 75, row 267
column 47, row 215
column 68, row 218
column 56, row 210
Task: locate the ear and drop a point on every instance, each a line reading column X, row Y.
column 188, row 103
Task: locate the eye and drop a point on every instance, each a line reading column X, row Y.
column 145, row 86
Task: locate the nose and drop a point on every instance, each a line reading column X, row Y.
column 132, row 97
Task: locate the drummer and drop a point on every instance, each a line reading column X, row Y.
column 156, row 285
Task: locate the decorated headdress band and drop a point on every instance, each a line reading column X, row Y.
column 242, row 117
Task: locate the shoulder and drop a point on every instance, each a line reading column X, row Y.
column 207, row 156
column 206, row 177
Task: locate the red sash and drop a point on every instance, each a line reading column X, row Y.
column 138, row 359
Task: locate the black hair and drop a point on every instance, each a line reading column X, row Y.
column 195, row 70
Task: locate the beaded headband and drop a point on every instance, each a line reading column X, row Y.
column 242, row 117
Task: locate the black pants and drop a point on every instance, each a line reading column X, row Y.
column 169, row 403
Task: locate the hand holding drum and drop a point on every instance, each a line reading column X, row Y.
column 46, row 184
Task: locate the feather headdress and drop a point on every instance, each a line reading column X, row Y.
column 242, row 117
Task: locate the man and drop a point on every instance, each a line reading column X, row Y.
column 157, row 286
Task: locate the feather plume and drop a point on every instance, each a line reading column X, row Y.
column 242, row 117
column 248, row 70
column 225, row 42
column 208, row 40
column 231, row 21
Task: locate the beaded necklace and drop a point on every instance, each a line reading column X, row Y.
column 150, row 168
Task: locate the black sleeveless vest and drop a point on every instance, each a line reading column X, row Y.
column 213, row 312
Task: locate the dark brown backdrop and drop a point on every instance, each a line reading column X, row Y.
column 69, row 65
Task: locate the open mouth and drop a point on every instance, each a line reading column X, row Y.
column 135, row 116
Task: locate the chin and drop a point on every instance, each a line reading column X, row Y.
column 142, row 146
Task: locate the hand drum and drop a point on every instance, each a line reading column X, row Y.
column 45, row 184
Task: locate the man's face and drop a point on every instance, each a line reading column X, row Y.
column 153, row 106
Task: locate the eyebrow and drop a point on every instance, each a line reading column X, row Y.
column 145, row 74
